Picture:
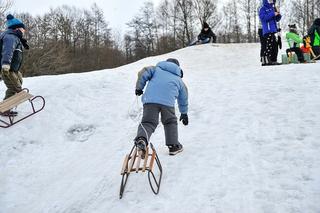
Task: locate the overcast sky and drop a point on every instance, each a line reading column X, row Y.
column 117, row 12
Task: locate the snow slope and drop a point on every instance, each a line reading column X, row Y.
column 252, row 145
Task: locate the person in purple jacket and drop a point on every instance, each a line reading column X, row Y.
column 269, row 16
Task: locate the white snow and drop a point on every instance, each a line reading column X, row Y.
column 252, row 145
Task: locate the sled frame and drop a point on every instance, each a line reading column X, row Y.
column 13, row 102
column 134, row 163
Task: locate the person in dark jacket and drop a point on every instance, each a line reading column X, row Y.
column 206, row 35
column 269, row 16
column 12, row 44
column 164, row 87
column 314, row 33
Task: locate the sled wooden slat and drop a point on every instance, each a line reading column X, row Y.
column 125, row 163
column 133, row 163
column 138, row 163
column 14, row 101
column 145, row 161
column 132, row 160
column 152, row 160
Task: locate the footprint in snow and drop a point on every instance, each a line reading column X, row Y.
column 80, row 132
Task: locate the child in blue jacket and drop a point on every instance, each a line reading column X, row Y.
column 164, row 87
column 269, row 16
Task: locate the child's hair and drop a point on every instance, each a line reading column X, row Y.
column 306, row 37
column 292, row 28
column 304, row 42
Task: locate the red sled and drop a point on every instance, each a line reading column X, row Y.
column 7, row 118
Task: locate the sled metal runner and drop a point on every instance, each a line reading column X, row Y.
column 12, row 102
column 133, row 162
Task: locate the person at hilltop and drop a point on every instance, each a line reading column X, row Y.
column 314, row 33
column 206, row 35
column 294, row 41
column 269, row 16
column 164, row 87
column 12, row 44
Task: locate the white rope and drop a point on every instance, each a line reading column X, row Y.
column 135, row 114
column 135, row 111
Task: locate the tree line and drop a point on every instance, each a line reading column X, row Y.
column 68, row 39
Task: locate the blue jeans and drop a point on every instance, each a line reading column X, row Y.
column 204, row 41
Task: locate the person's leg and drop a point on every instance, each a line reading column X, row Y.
column 170, row 124
column 149, row 121
column 13, row 82
column 288, row 51
column 262, row 50
column 299, row 54
column 194, row 42
column 274, row 50
column 268, row 49
column 205, row 41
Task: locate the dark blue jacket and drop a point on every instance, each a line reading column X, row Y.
column 268, row 18
column 11, row 53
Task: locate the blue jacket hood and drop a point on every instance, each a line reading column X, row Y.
column 267, row 4
column 170, row 67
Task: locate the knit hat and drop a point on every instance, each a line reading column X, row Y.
column 205, row 25
column 292, row 26
column 173, row 60
column 13, row 23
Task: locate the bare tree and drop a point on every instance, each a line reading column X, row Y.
column 206, row 11
column 186, row 18
column 4, row 6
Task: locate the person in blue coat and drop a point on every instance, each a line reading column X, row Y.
column 269, row 16
column 12, row 44
column 164, row 87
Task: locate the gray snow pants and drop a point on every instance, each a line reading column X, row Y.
column 150, row 122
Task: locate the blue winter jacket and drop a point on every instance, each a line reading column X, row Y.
column 11, row 53
column 268, row 18
column 164, row 85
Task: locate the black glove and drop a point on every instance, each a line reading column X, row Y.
column 184, row 119
column 139, row 92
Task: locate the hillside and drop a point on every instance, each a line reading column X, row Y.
column 252, row 144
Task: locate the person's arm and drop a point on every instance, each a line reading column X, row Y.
column 143, row 76
column 278, row 17
column 266, row 16
column 317, row 33
column 183, row 99
column 9, row 44
column 213, row 36
column 295, row 37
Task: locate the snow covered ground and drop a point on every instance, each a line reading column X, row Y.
column 252, row 145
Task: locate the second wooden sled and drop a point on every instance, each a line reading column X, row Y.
column 134, row 163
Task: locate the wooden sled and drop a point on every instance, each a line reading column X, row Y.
column 134, row 163
column 13, row 102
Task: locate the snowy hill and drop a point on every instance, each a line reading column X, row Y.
column 252, row 145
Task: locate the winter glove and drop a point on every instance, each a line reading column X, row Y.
column 139, row 92
column 184, row 119
column 5, row 69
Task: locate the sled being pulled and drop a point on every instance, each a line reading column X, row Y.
column 133, row 162
column 7, row 119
